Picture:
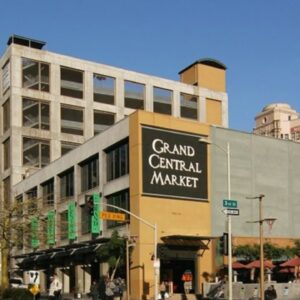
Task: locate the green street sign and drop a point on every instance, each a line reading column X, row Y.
column 230, row 203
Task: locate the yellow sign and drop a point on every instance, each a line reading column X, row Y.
column 34, row 289
column 107, row 215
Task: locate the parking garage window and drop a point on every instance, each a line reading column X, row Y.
column 35, row 75
column 36, row 152
column 102, row 120
column 162, row 101
column 35, row 114
column 104, row 89
column 71, row 82
column 66, row 147
column 71, row 120
column 134, row 95
column 6, row 115
column 6, row 154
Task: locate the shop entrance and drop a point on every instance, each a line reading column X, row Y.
column 172, row 271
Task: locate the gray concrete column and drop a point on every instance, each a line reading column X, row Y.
column 202, row 109
column 176, row 104
column 66, row 280
column 89, row 100
column 87, row 279
column 148, row 97
column 225, row 121
column 79, row 279
column 119, row 98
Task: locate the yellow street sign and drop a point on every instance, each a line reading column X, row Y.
column 107, row 215
column 34, row 289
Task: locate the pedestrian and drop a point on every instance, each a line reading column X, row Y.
column 270, row 293
column 162, row 289
column 109, row 289
column 55, row 288
column 94, row 290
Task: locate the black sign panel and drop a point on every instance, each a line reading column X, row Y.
column 174, row 164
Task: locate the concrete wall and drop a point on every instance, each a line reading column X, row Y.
column 259, row 165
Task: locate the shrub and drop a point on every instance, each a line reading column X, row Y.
column 16, row 294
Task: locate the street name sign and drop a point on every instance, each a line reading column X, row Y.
column 230, row 203
column 231, row 211
column 107, row 215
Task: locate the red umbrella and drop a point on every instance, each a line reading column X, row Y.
column 294, row 262
column 238, row 265
column 256, row 264
column 287, row 270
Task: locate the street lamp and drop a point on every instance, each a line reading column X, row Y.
column 261, row 242
column 229, row 228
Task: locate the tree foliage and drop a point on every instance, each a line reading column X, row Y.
column 251, row 252
column 15, row 230
column 113, row 252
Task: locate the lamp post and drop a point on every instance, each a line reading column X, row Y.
column 229, row 226
column 261, row 243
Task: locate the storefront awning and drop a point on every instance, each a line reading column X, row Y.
column 187, row 242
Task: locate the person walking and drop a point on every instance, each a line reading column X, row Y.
column 55, row 288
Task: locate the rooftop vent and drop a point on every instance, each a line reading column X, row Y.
column 24, row 41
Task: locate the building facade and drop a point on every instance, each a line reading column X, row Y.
column 278, row 120
column 155, row 166
column 52, row 103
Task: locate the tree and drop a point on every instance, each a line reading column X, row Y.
column 252, row 252
column 248, row 252
column 114, row 253
column 15, row 230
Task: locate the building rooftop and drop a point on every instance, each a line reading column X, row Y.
column 24, row 41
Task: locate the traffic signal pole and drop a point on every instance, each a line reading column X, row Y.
column 156, row 263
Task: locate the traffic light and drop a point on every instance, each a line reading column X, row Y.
column 223, row 244
column 90, row 204
column 94, row 206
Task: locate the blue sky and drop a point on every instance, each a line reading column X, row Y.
column 258, row 40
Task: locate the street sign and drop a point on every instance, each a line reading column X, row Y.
column 107, row 215
column 232, row 211
column 34, row 289
column 230, row 203
column 34, row 277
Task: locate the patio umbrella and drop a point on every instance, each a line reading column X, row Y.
column 238, row 265
column 287, row 270
column 256, row 264
column 294, row 262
